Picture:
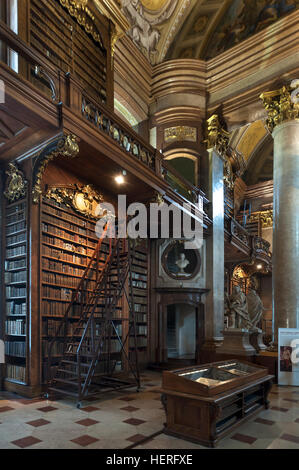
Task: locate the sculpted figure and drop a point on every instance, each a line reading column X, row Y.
column 182, row 263
column 255, row 306
column 238, row 309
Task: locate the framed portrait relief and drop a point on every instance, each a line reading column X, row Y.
column 179, row 263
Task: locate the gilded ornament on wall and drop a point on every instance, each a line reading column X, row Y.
column 83, row 199
column 280, row 105
column 15, row 184
column 67, row 146
column 217, row 137
column 180, row 133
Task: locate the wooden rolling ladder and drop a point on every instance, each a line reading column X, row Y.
column 89, row 344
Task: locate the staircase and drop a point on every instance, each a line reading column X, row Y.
column 89, row 345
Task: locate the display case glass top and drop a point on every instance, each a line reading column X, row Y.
column 214, row 378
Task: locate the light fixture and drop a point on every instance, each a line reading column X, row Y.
column 259, row 266
column 120, row 179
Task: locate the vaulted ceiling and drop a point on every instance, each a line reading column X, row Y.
column 198, row 29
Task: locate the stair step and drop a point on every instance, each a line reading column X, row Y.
column 61, row 390
column 75, row 363
column 65, row 381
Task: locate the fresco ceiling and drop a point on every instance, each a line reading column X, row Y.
column 198, row 29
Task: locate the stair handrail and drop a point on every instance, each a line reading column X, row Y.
column 74, row 298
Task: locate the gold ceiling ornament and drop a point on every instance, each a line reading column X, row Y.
column 280, row 106
column 16, row 184
column 82, row 198
column 83, row 16
column 67, row 146
column 217, row 137
column 153, row 5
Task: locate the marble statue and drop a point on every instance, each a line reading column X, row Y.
column 182, row 263
column 238, row 310
column 255, row 306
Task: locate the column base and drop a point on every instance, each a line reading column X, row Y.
column 236, row 341
column 256, row 340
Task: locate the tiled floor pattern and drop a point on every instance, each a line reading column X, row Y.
column 129, row 419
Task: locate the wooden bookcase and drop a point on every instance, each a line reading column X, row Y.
column 16, row 291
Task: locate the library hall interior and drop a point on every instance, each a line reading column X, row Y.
column 149, row 188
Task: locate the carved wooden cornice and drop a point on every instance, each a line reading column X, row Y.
column 84, row 17
column 281, row 105
column 66, row 146
column 83, row 199
column 120, row 25
column 16, row 184
column 265, row 217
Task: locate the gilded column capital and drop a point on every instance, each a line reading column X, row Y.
column 216, row 136
column 281, row 105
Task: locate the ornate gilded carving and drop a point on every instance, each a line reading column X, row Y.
column 217, row 137
column 16, row 184
column 83, row 16
column 265, row 217
column 83, row 199
column 280, row 106
column 67, row 146
column 180, row 133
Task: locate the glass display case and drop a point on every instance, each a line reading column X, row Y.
column 211, row 379
column 203, row 403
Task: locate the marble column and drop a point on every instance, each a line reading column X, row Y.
column 286, row 226
column 283, row 121
column 214, row 303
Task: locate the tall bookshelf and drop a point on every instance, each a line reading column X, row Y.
column 140, row 284
column 16, row 292
column 68, row 241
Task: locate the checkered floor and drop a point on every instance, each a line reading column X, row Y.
column 129, row 419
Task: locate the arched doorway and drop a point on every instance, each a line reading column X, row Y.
column 181, row 331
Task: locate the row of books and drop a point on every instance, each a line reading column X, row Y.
column 139, row 284
column 15, row 327
column 140, row 317
column 17, row 227
column 62, row 233
column 140, row 308
column 16, row 264
column 141, row 342
column 16, row 372
column 10, row 210
column 66, row 281
column 138, row 276
column 19, row 276
column 57, row 348
column 141, row 330
column 12, row 291
column 67, row 216
column 61, row 267
column 50, row 328
column 63, row 224
column 54, row 308
column 17, row 217
column 65, row 245
column 12, row 239
column 16, row 251
column 15, row 308
column 71, row 258
column 15, row 348
column 57, row 293
column 52, row 221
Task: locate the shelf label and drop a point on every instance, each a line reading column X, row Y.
column 288, row 360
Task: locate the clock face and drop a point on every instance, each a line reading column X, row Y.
column 81, row 203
